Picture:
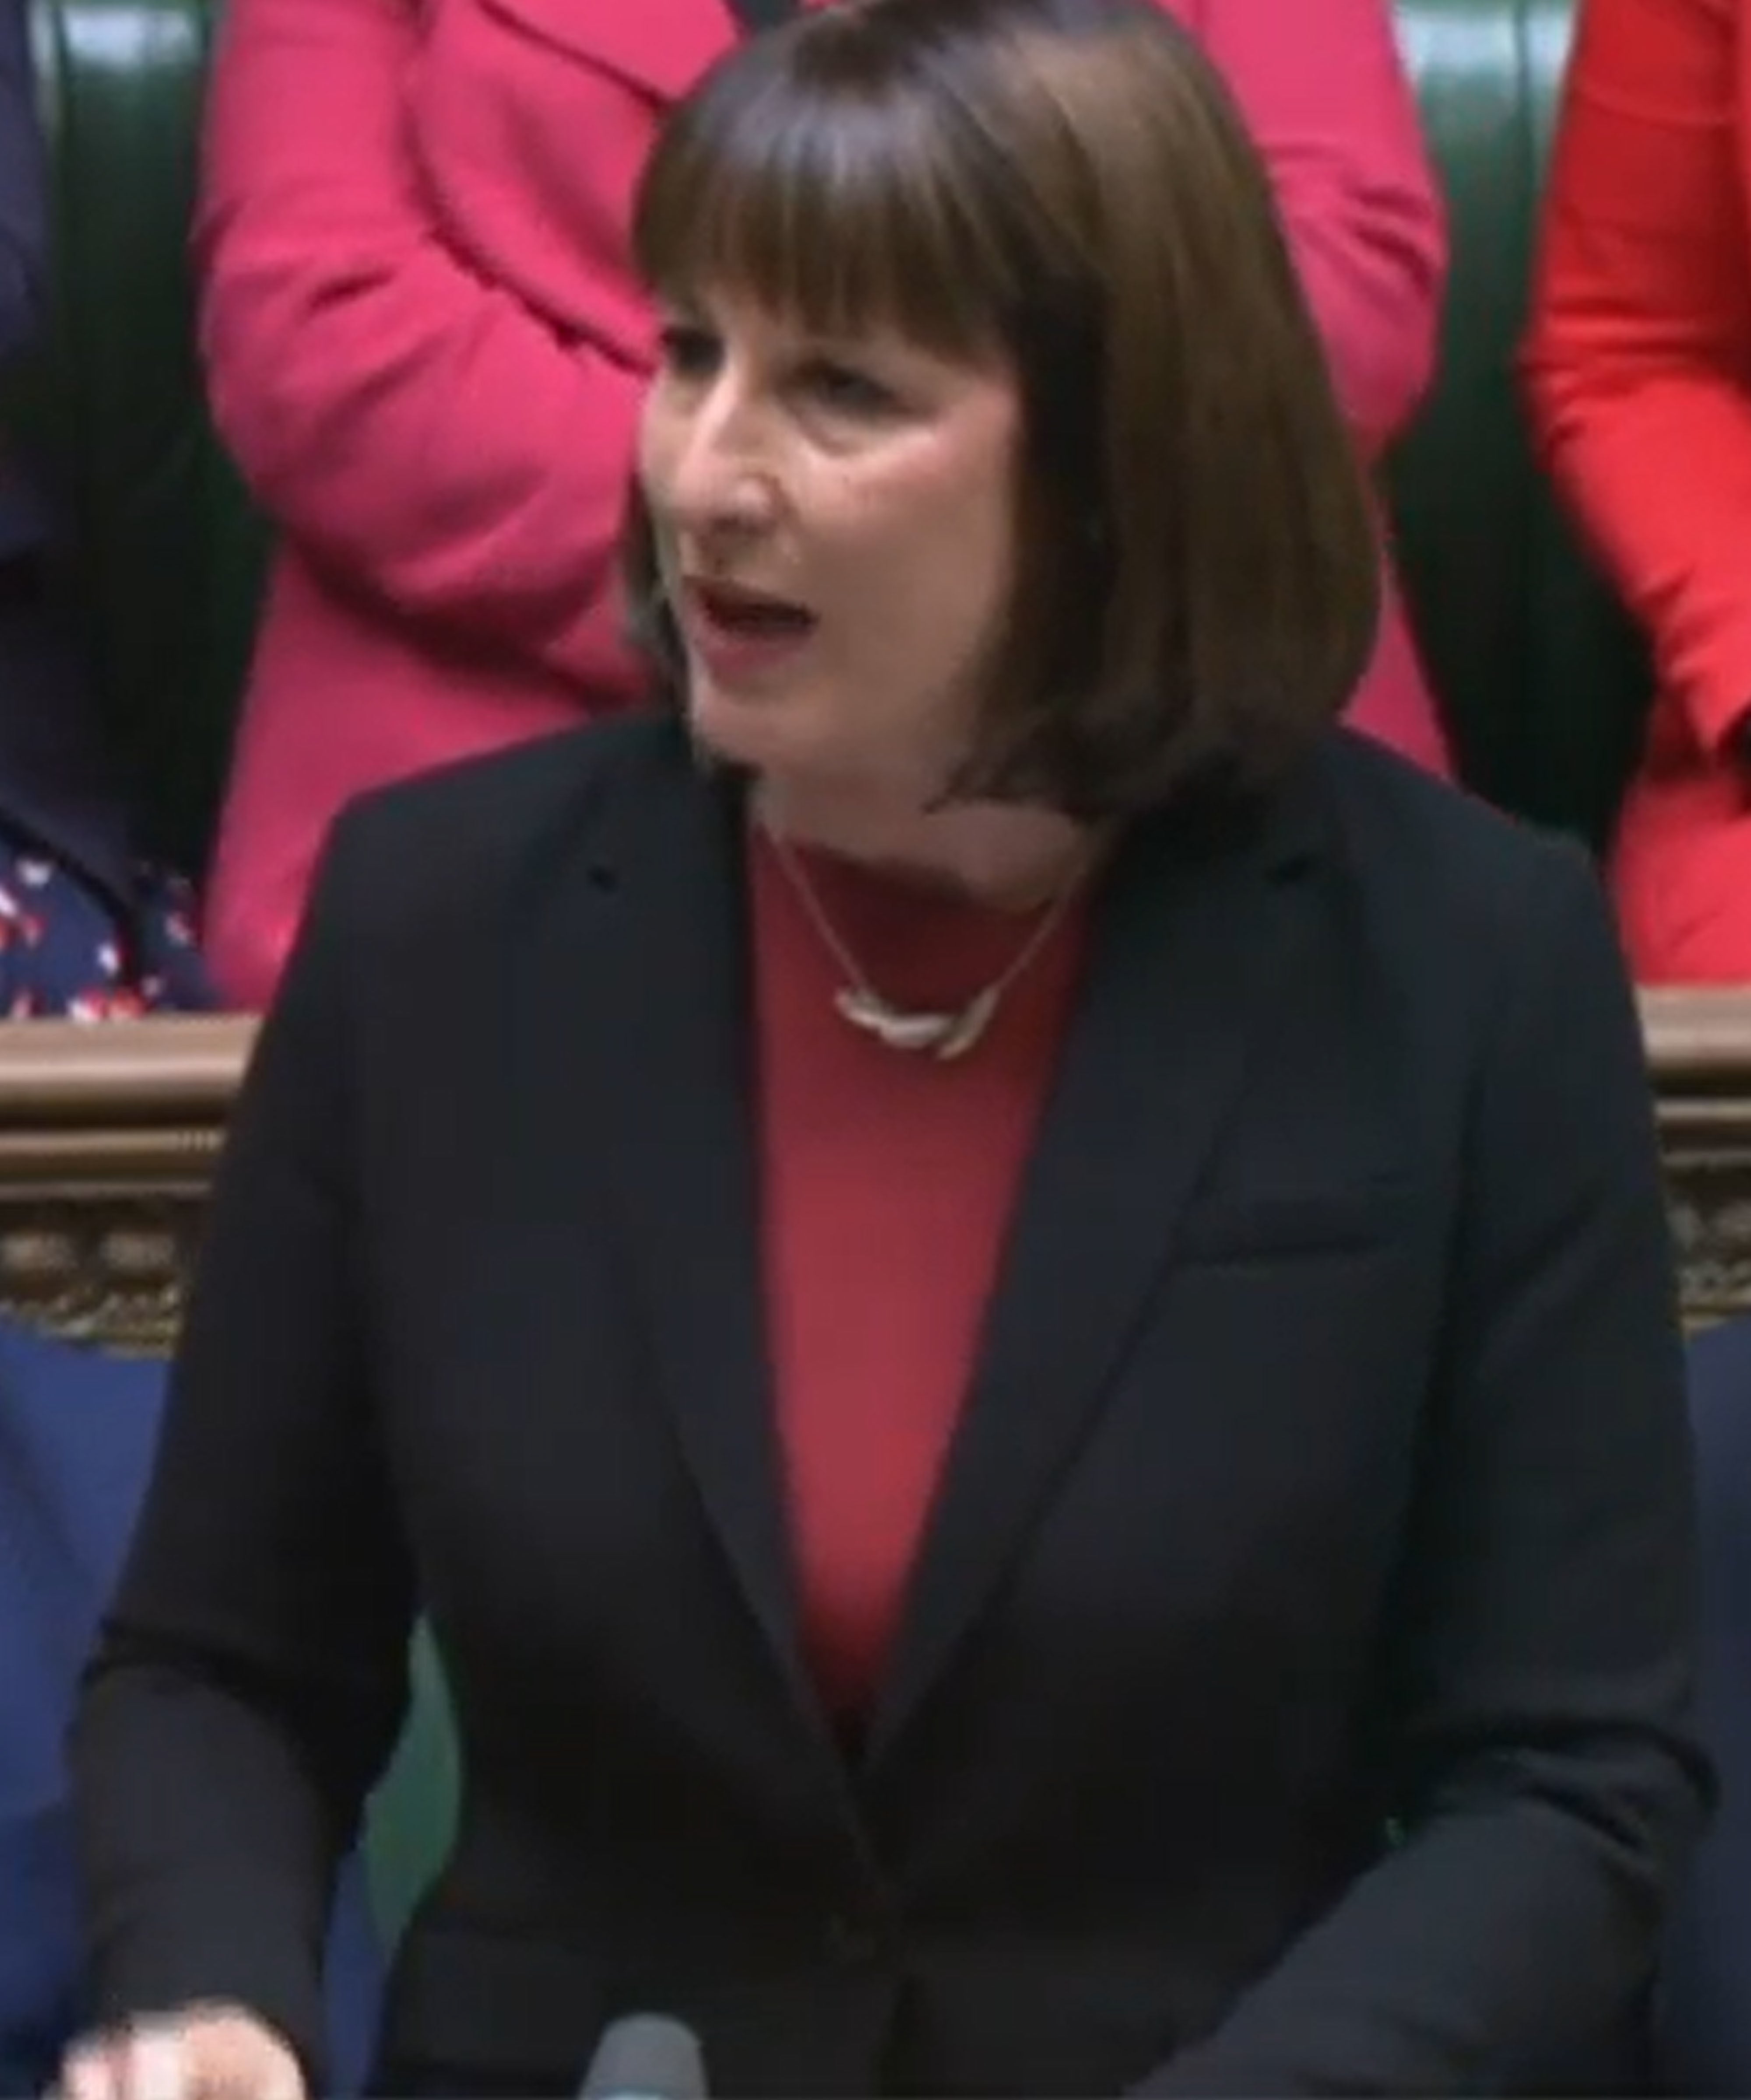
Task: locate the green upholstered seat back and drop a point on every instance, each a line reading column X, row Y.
column 414, row 1812
column 167, row 555
column 1543, row 682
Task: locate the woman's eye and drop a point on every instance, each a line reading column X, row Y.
column 847, row 391
column 686, row 351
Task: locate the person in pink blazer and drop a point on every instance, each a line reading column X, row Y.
column 425, row 348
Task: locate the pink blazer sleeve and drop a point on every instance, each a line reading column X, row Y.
column 418, row 429
column 1325, row 88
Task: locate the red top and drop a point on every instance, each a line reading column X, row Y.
column 888, row 1178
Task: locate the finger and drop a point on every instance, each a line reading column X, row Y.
column 285, row 2082
column 156, row 2063
column 92, row 2070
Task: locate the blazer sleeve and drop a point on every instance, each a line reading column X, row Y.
column 1640, row 335
column 414, row 427
column 1702, row 2027
column 1537, row 1724
column 24, row 207
column 250, row 1676
column 1325, row 89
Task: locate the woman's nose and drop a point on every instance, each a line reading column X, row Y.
column 723, row 473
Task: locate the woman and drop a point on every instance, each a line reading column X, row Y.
column 1639, row 369
column 1008, row 1330
column 426, row 344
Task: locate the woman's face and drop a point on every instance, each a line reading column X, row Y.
column 836, row 529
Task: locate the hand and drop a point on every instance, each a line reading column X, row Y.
column 207, row 2053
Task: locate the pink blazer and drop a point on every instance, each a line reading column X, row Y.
column 425, row 347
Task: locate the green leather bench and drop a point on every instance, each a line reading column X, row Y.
column 414, row 1811
column 1543, row 685
column 169, row 556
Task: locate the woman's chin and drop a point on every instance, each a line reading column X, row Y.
column 761, row 735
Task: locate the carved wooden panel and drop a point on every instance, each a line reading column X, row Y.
column 1699, row 1047
column 109, row 1134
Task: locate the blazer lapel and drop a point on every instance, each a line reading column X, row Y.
column 1178, row 988
column 667, row 1056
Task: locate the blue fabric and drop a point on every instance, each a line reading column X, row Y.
column 1704, row 2025
column 77, row 1430
column 67, row 949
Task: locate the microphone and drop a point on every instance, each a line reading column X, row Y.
column 645, row 2056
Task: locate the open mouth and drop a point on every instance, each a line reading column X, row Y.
column 738, row 612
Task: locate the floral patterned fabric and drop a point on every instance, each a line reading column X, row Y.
column 67, row 949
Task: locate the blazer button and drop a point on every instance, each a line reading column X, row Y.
column 851, row 1942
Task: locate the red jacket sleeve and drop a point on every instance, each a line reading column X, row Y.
column 1641, row 335
column 420, row 431
column 1324, row 89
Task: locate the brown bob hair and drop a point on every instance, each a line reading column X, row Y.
column 1068, row 185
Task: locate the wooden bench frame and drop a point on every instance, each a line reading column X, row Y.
column 1699, row 1045
column 108, row 1135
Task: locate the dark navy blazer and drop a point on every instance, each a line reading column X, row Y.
column 1704, row 2025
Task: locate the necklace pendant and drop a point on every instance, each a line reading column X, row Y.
column 969, row 1025
column 889, row 1025
column 943, row 1036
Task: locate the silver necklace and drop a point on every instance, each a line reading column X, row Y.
column 945, row 1034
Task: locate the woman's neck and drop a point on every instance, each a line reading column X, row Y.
column 1014, row 858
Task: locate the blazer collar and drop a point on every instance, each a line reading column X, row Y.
column 1187, row 941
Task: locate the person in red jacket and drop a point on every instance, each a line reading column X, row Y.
column 1638, row 364
column 425, row 344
